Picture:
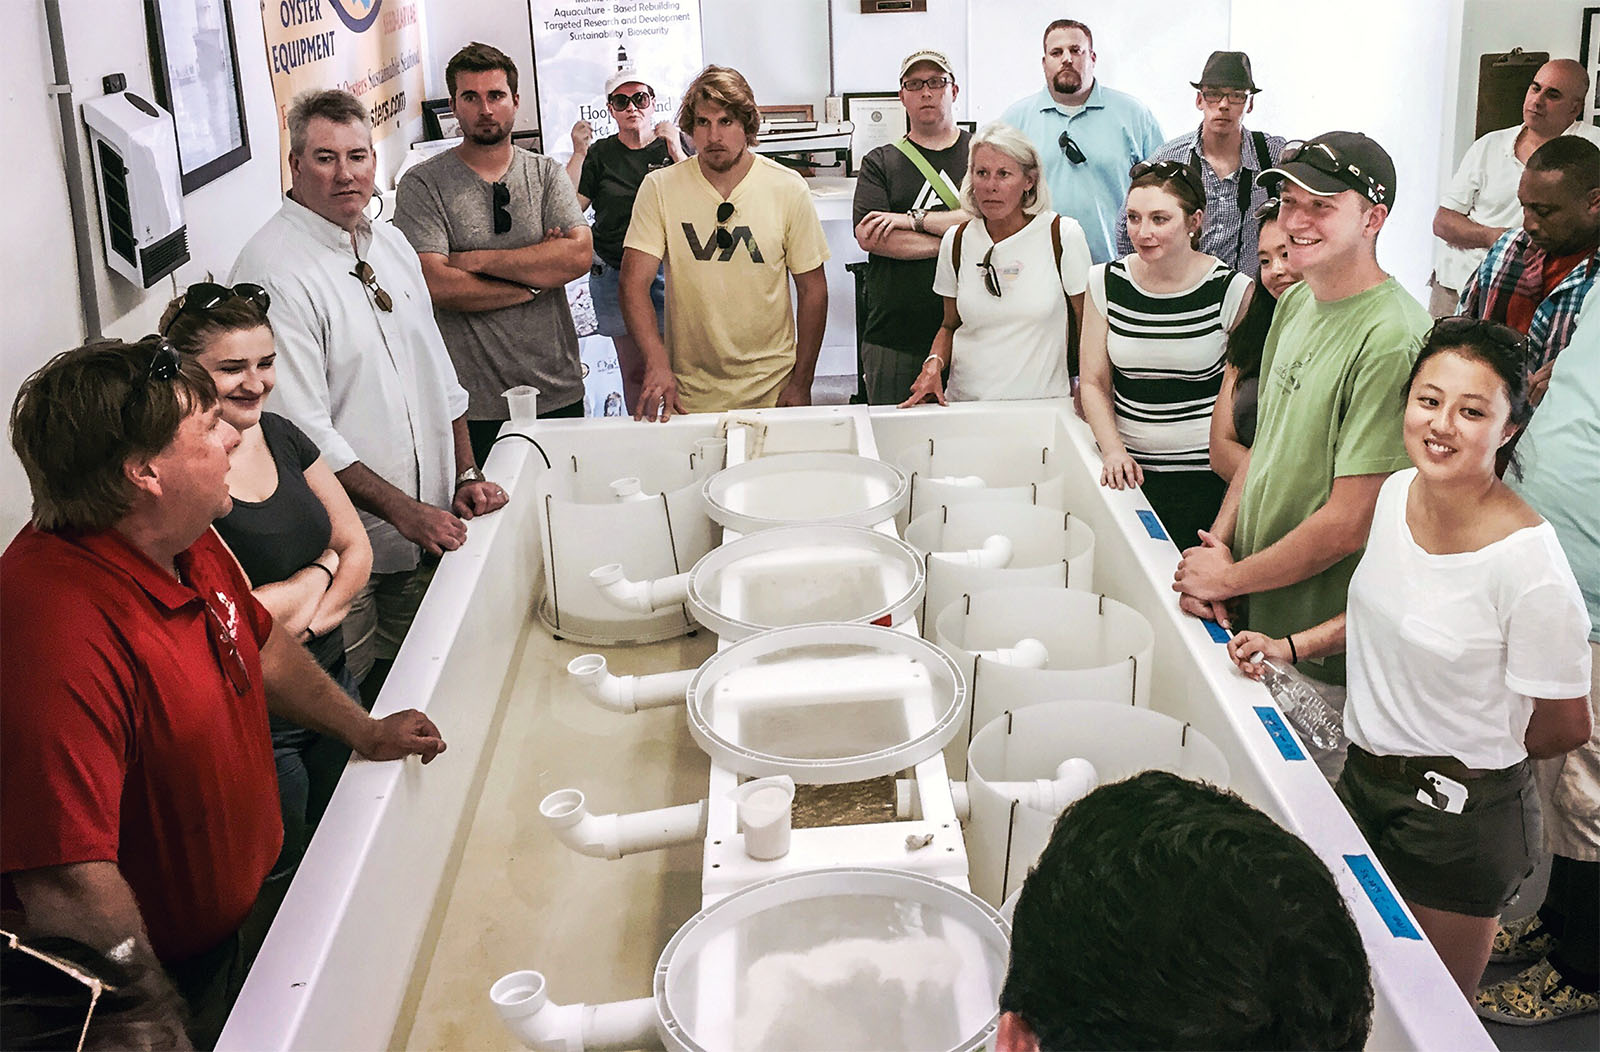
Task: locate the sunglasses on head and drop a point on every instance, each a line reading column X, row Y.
column 1460, row 327
column 724, row 235
column 204, row 296
column 367, row 277
column 1326, row 159
column 500, row 196
column 162, row 368
column 641, row 101
column 1073, row 151
column 1170, row 170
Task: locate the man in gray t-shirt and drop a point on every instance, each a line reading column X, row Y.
column 499, row 233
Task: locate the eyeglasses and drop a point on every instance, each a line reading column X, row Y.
column 918, row 83
column 1446, row 331
column 500, row 195
column 724, row 235
column 221, row 638
column 1324, row 159
column 163, row 367
column 205, row 296
column 365, row 273
column 1215, row 95
column 641, row 101
column 96, row 985
column 1073, row 151
column 991, row 276
column 1171, row 170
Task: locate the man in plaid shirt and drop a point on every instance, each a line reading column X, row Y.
column 1535, row 279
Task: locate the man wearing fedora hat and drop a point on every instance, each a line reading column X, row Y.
column 1229, row 158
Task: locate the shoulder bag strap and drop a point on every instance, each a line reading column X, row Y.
column 940, row 187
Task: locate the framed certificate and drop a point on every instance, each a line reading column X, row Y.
column 195, row 67
column 879, row 118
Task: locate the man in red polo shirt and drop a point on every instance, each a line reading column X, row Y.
column 138, row 797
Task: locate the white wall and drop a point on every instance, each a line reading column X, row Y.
column 1378, row 67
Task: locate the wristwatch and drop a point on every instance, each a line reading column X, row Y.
column 472, row 474
column 917, row 216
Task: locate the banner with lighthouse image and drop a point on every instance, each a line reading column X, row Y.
column 579, row 44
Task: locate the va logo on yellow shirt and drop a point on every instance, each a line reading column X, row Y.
column 704, row 251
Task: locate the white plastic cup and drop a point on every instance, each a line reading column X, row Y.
column 710, row 454
column 524, row 403
column 765, row 811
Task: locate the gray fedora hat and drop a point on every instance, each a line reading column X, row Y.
column 1227, row 69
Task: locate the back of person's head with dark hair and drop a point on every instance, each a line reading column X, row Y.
column 1502, row 349
column 724, row 87
column 331, row 104
column 44, row 1006
column 1576, row 158
column 1169, row 914
column 191, row 331
column 1068, row 23
column 479, row 58
column 78, row 420
column 1249, row 338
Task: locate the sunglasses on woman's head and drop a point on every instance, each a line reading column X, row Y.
column 1170, row 170
column 641, row 101
column 205, row 296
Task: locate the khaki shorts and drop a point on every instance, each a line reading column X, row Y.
column 381, row 613
column 1471, row 863
column 1569, row 787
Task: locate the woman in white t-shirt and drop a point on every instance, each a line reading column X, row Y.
column 1009, row 278
column 1467, row 652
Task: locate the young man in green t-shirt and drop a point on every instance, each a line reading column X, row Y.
column 1328, row 429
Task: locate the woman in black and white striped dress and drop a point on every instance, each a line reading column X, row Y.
column 1155, row 335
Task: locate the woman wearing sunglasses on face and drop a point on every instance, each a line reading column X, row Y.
column 1012, row 281
column 607, row 175
column 1154, row 348
column 1468, row 653
column 294, row 531
column 1233, row 422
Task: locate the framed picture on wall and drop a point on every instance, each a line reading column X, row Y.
column 195, row 67
column 1591, row 62
column 879, row 118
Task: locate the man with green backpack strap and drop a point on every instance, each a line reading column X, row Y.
column 906, row 198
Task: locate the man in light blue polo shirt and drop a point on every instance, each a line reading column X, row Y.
column 1560, row 455
column 1088, row 135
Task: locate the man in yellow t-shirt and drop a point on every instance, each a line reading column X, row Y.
column 731, row 227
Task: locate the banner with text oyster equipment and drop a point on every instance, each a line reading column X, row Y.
column 578, row 44
column 371, row 48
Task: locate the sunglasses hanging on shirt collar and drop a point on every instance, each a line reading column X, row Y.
column 1073, row 151
column 724, row 235
column 367, row 277
column 500, row 194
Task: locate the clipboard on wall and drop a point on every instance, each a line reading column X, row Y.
column 1503, row 80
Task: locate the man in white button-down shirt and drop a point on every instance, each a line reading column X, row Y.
column 362, row 368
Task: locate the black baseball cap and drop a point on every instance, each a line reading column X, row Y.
column 1332, row 163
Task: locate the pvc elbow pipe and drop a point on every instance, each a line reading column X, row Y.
column 1028, row 653
column 614, row 835
column 643, row 597
column 626, row 490
column 628, row 693
column 908, row 806
column 524, row 1006
column 995, row 554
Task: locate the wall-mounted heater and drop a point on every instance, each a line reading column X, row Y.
column 134, row 145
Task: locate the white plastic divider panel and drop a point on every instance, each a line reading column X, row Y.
column 1006, row 834
column 1099, row 650
column 832, row 959
column 826, row 704
column 793, row 488
column 656, row 527
column 963, row 470
column 1048, row 548
column 795, row 575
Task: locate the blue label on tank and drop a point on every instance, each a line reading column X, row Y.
column 1152, row 525
column 1280, row 734
column 1218, row 633
column 1383, row 899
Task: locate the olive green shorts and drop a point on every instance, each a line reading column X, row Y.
column 1471, row 863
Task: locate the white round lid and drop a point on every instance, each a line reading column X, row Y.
column 835, row 959
column 826, row 704
column 790, row 488
column 797, row 575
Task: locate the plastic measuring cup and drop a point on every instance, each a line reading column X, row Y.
column 765, row 808
column 524, row 403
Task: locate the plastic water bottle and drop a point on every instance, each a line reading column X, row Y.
column 1303, row 703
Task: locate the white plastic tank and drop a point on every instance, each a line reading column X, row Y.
column 1005, row 832
column 964, row 469
column 1047, row 547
